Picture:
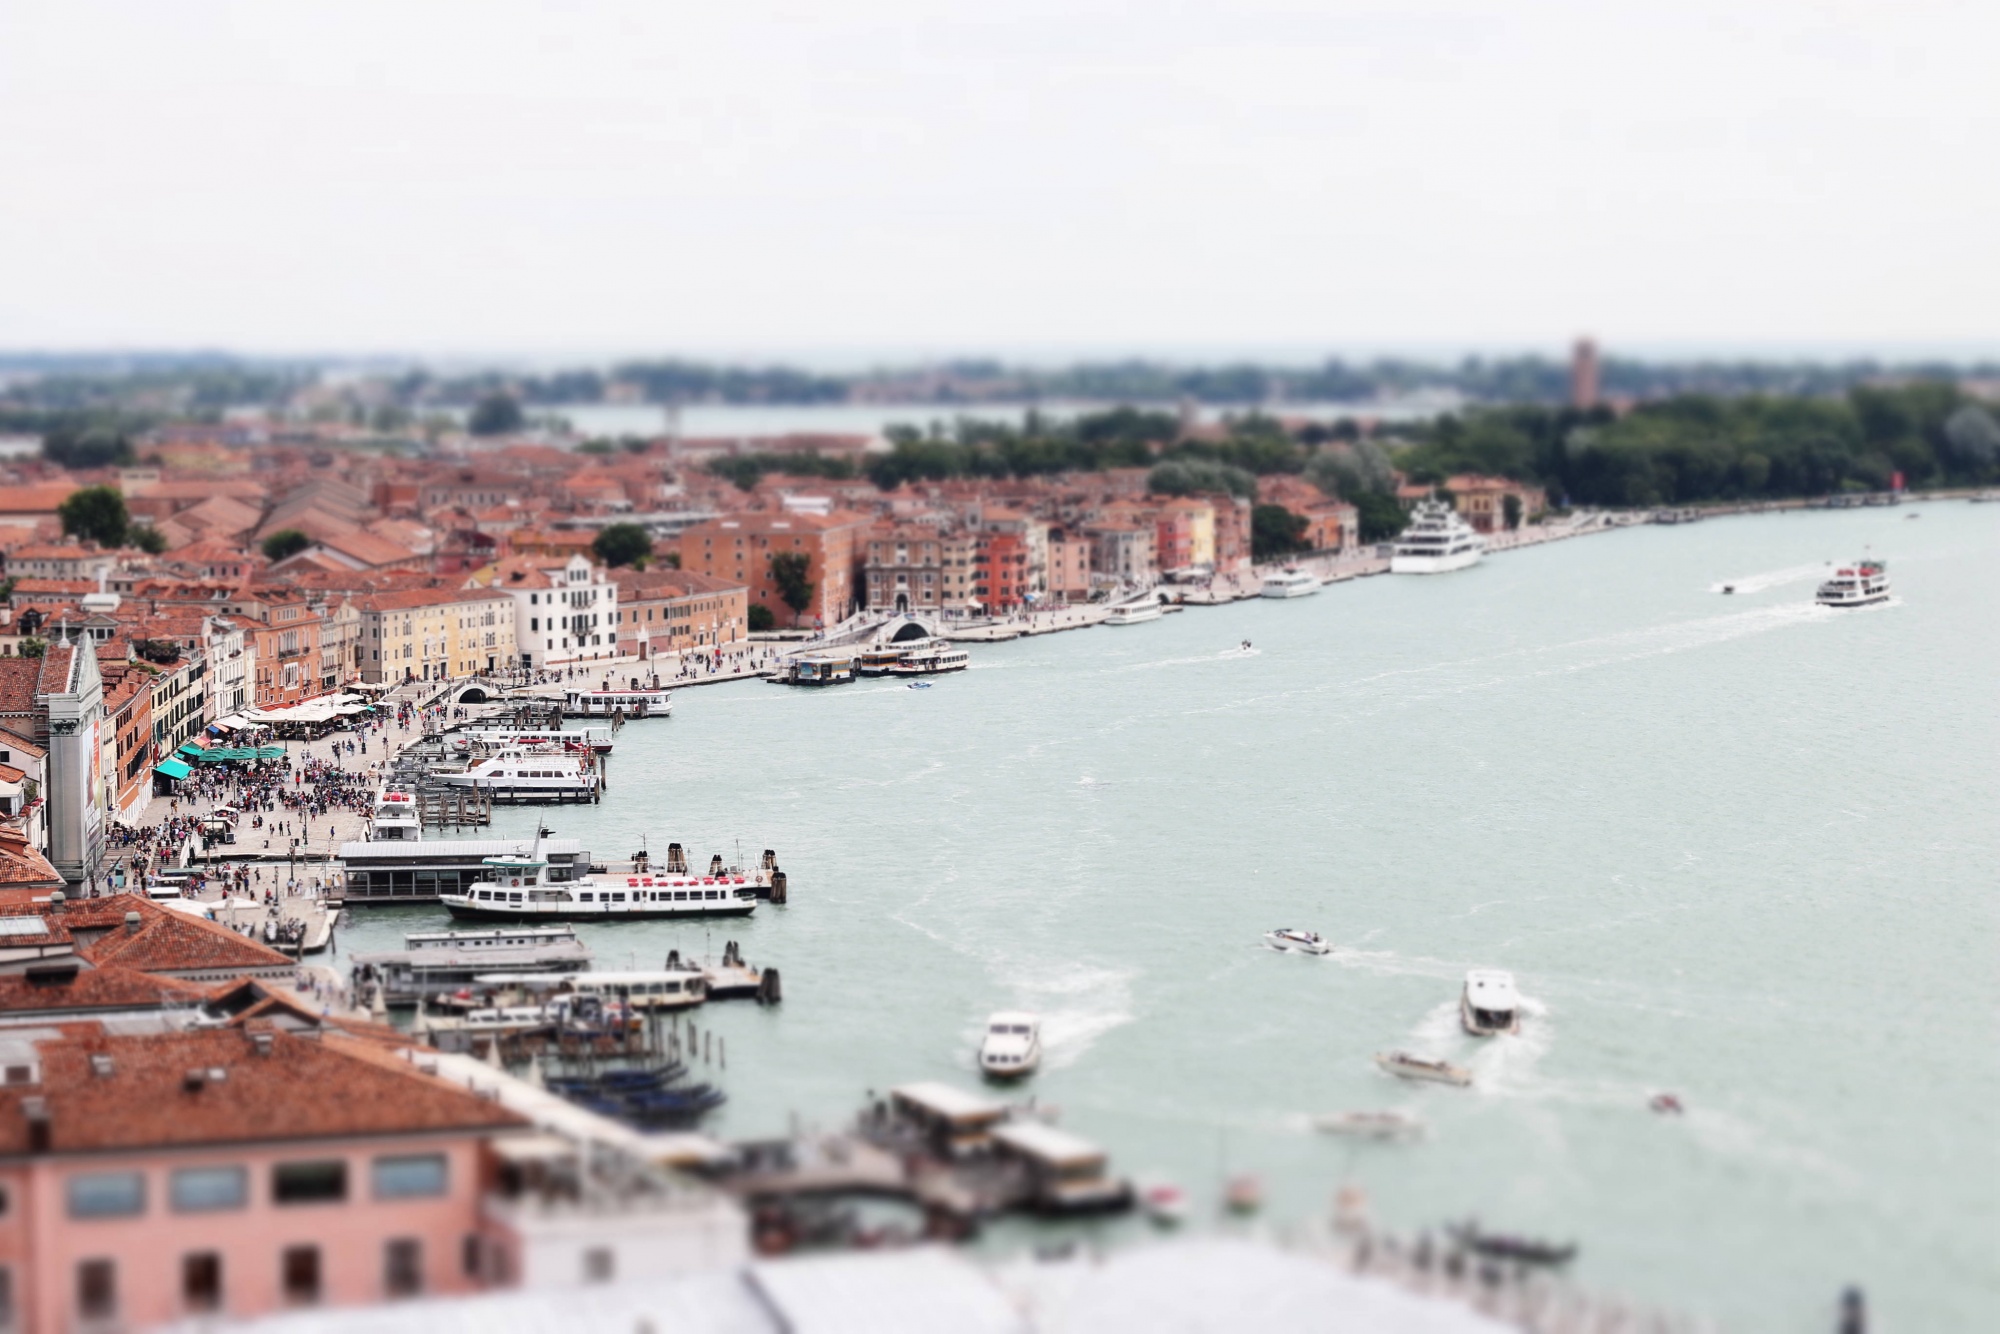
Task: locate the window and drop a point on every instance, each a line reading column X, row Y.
column 301, row 1274
column 412, row 1175
column 471, row 1255
column 309, row 1183
column 201, row 1281
column 97, row 1290
column 402, row 1267
column 599, row 1264
column 107, row 1195
column 196, row 1189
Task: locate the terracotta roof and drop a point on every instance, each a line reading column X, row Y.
column 147, row 1096
column 96, row 989
column 165, row 941
column 41, row 498
column 22, row 866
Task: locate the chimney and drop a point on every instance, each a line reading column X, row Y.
column 56, row 900
column 102, row 1065
column 36, row 1110
column 261, row 1043
column 193, row 1080
column 132, row 922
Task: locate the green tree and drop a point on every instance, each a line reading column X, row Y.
column 1380, row 514
column 1510, row 509
column 788, row 572
column 284, row 543
column 1275, row 531
column 1185, row 477
column 761, row 618
column 86, row 446
column 148, row 539
column 622, row 544
column 598, row 447
column 97, row 513
column 495, row 414
column 32, row 647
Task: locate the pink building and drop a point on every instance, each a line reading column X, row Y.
column 232, row 1172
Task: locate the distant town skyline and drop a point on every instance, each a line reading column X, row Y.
column 745, row 182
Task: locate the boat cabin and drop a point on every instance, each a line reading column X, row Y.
column 956, row 1123
column 1066, row 1174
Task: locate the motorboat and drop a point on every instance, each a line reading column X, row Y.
column 1406, row 1066
column 916, row 685
column 1135, row 613
column 1516, row 1250
column 519, row 774
column 1291, row 940
column 1666, row 1104
column 1370, row 1125
column 1289, row 583
column 1164, row 1203
column 1244, row 1193
column 1012, row 1046
column 1857, row 584
column 637, row 702
column 1437, row 541
column 519, row 888
column 1489, row 1004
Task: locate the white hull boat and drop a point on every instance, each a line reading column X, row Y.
column 1860, row 584
column 1405, row 1066
column 1012, row 1046
column 1293, row 941
column 1136, row 613
column 1489, row 1004
column 1289, row 584
column 1437, row 541
column 520, row 889
column 1370, row 1125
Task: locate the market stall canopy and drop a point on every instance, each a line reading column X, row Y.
column 172, row 768
column 223, row 754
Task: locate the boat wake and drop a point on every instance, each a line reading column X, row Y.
column 1226, row 655
column 1757, row 583
column 1078, row 1004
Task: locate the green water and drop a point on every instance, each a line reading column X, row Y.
column 1736, row 847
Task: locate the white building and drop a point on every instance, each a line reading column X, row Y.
column 231, row 655
column 565, row 610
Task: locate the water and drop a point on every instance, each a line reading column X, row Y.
column 1736, row 847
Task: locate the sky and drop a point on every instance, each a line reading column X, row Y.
column 864, row 178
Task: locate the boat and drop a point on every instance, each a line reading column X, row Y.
column 732, row 979
column 397, row 864
column 1294, row 941
column 1164, row 1203
column 1858, row 584
column 815, row 669
column 518, row 774
column 1134, row 613
column 1729, row 588
column 638, row 702
column 1437, row 541
column 1244, row 1193
column 1012, row 1046
column 436, row 963
column 1370, row 1125
column 929, row 659
column 916, row 685
column 1406, row 1066
column 1666, row 1104
column 571, row 738
column 1489, row 1004
column 1289, row 584
column 520, row 889
column 1519, row 1250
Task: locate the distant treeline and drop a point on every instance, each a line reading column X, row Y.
column 203, row 384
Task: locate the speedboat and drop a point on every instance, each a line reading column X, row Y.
column 1370, row 1125
column 1293, row 941
column 1489, row 1004
column 1164, row 1203
column 1437, row 541
column 1288, row 584
column 1244, row 1193
column 1666, row 1104
column 916, row 685
column 1406, row 1066
column 1858, row 584
column 1012, row 1046
column 1519, row 1250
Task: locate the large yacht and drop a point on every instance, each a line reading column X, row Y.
column 520, row 889
column 1856, row 584
column 521, row 774
column 1289, row 584
column 1438, row 540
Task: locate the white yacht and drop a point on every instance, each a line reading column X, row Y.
column 1489, row 1004
column 1438, row 540
column 1012, row 1046
column 519, row 774
column 1135, row 613
column 1291, row 940
column 520, row 889
column 639, row 702
column 1857, row 584
column 1289, row 584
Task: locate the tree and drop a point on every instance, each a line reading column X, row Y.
column 86, row 447
column 495, row 414
column 622, row 544
column 148, row 539
column 672, row 560
column 788, row 572
column 1510, row 509
column 597, row 447
column 1381, row 516
column 1275, row 531
column 761, row 618
column 97, row 513
column 32, row 647
column 1185, row 477
column 284, row 543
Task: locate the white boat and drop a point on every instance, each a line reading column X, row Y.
column 1370, row 1125
column 1489, row 1004
column 1135, row 613
column 1406, row 1066
column 520, row 889
column 1294, row 941
column 931, row 659
column 639, row 702
column 1857, row 584
column 518, row 774
column 568, row 738
column 435, row 963
column 1437, row 541
column 1289, row 584
column 1012, row 1046
column 1164, row 1203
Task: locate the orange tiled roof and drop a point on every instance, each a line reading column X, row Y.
column 165, row 941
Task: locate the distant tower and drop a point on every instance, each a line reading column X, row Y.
column 1583, row 374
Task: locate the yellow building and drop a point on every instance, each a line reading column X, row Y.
column 482, row 631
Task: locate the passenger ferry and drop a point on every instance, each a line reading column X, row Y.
column 1864, row 582
column 1437, row 541
column 520, row 889
column 569, row 738
column 518, row 774
column 434, row 963
column 815, row 670
column 638, row 702
column 397, row 864
column 1289, row 584
column 931, row 659
column 1135, row 613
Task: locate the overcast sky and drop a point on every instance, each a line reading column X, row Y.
column 846, row 177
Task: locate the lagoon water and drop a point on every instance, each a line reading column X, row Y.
column 1736, row 847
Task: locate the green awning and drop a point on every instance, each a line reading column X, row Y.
column 226, row 754
column 189, row 748
column 171, row 768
